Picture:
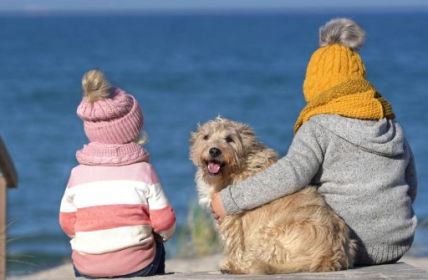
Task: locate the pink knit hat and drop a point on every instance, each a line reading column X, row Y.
column 110, row 115
column 112, row 120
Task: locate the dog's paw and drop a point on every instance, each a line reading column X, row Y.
column 225, row 267
column 224, row 271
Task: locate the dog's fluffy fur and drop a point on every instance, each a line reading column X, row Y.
column 296, row 233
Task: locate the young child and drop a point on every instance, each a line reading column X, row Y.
column 348, row 145
column 114, row 209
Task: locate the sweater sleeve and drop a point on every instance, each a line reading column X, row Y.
column 67, row 214
column 290, row 174
column 411, row 177
column 162, row 216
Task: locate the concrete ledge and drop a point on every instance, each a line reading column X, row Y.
column 391, row 271
column 197, row 269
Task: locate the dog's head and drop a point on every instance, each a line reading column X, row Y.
column 219, row 150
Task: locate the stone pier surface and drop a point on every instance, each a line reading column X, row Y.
column 205, row 269
column 391, row 271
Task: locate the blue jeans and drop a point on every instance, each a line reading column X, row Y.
column 157, row 267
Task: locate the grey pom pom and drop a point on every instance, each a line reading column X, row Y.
column 342, row 31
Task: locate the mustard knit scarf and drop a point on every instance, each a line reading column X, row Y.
column 356, row 99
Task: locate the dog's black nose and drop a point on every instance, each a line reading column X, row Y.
column 214, row 152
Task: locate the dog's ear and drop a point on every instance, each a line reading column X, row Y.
column 193, row 136
column 246, row 131
column 247, row 135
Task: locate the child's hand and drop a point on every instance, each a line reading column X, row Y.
column 217, row 208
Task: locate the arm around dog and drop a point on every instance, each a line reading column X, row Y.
column 290, row 174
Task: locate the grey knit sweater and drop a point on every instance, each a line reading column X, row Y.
column 365, row 171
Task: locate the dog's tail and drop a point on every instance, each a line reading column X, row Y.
column 262, row 267
column 339, row 255
column 304, row 265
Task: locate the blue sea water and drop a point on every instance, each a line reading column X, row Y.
column 183, row 69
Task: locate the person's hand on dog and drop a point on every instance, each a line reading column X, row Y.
column 217, row 208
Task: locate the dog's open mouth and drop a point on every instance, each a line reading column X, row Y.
column 214, row 167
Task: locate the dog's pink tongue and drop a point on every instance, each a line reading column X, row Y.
column 213, row 167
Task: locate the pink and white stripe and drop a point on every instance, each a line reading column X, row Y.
column 112, row 211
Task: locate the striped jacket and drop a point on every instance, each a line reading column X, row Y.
column 110, row 212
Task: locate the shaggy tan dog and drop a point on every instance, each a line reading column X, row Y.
column 296, row 233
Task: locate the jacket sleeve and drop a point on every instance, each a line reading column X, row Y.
column 162, row 216
column 290, row 174
column 411, row 177
column 67, row 214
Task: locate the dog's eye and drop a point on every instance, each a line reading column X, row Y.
column 206, row 136
column 229, row 139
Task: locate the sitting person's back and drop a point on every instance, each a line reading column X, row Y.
column 114, row 209
column 367, row 177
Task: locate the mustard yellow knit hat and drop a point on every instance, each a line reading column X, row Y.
column 337, row 59
column 335, row 81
